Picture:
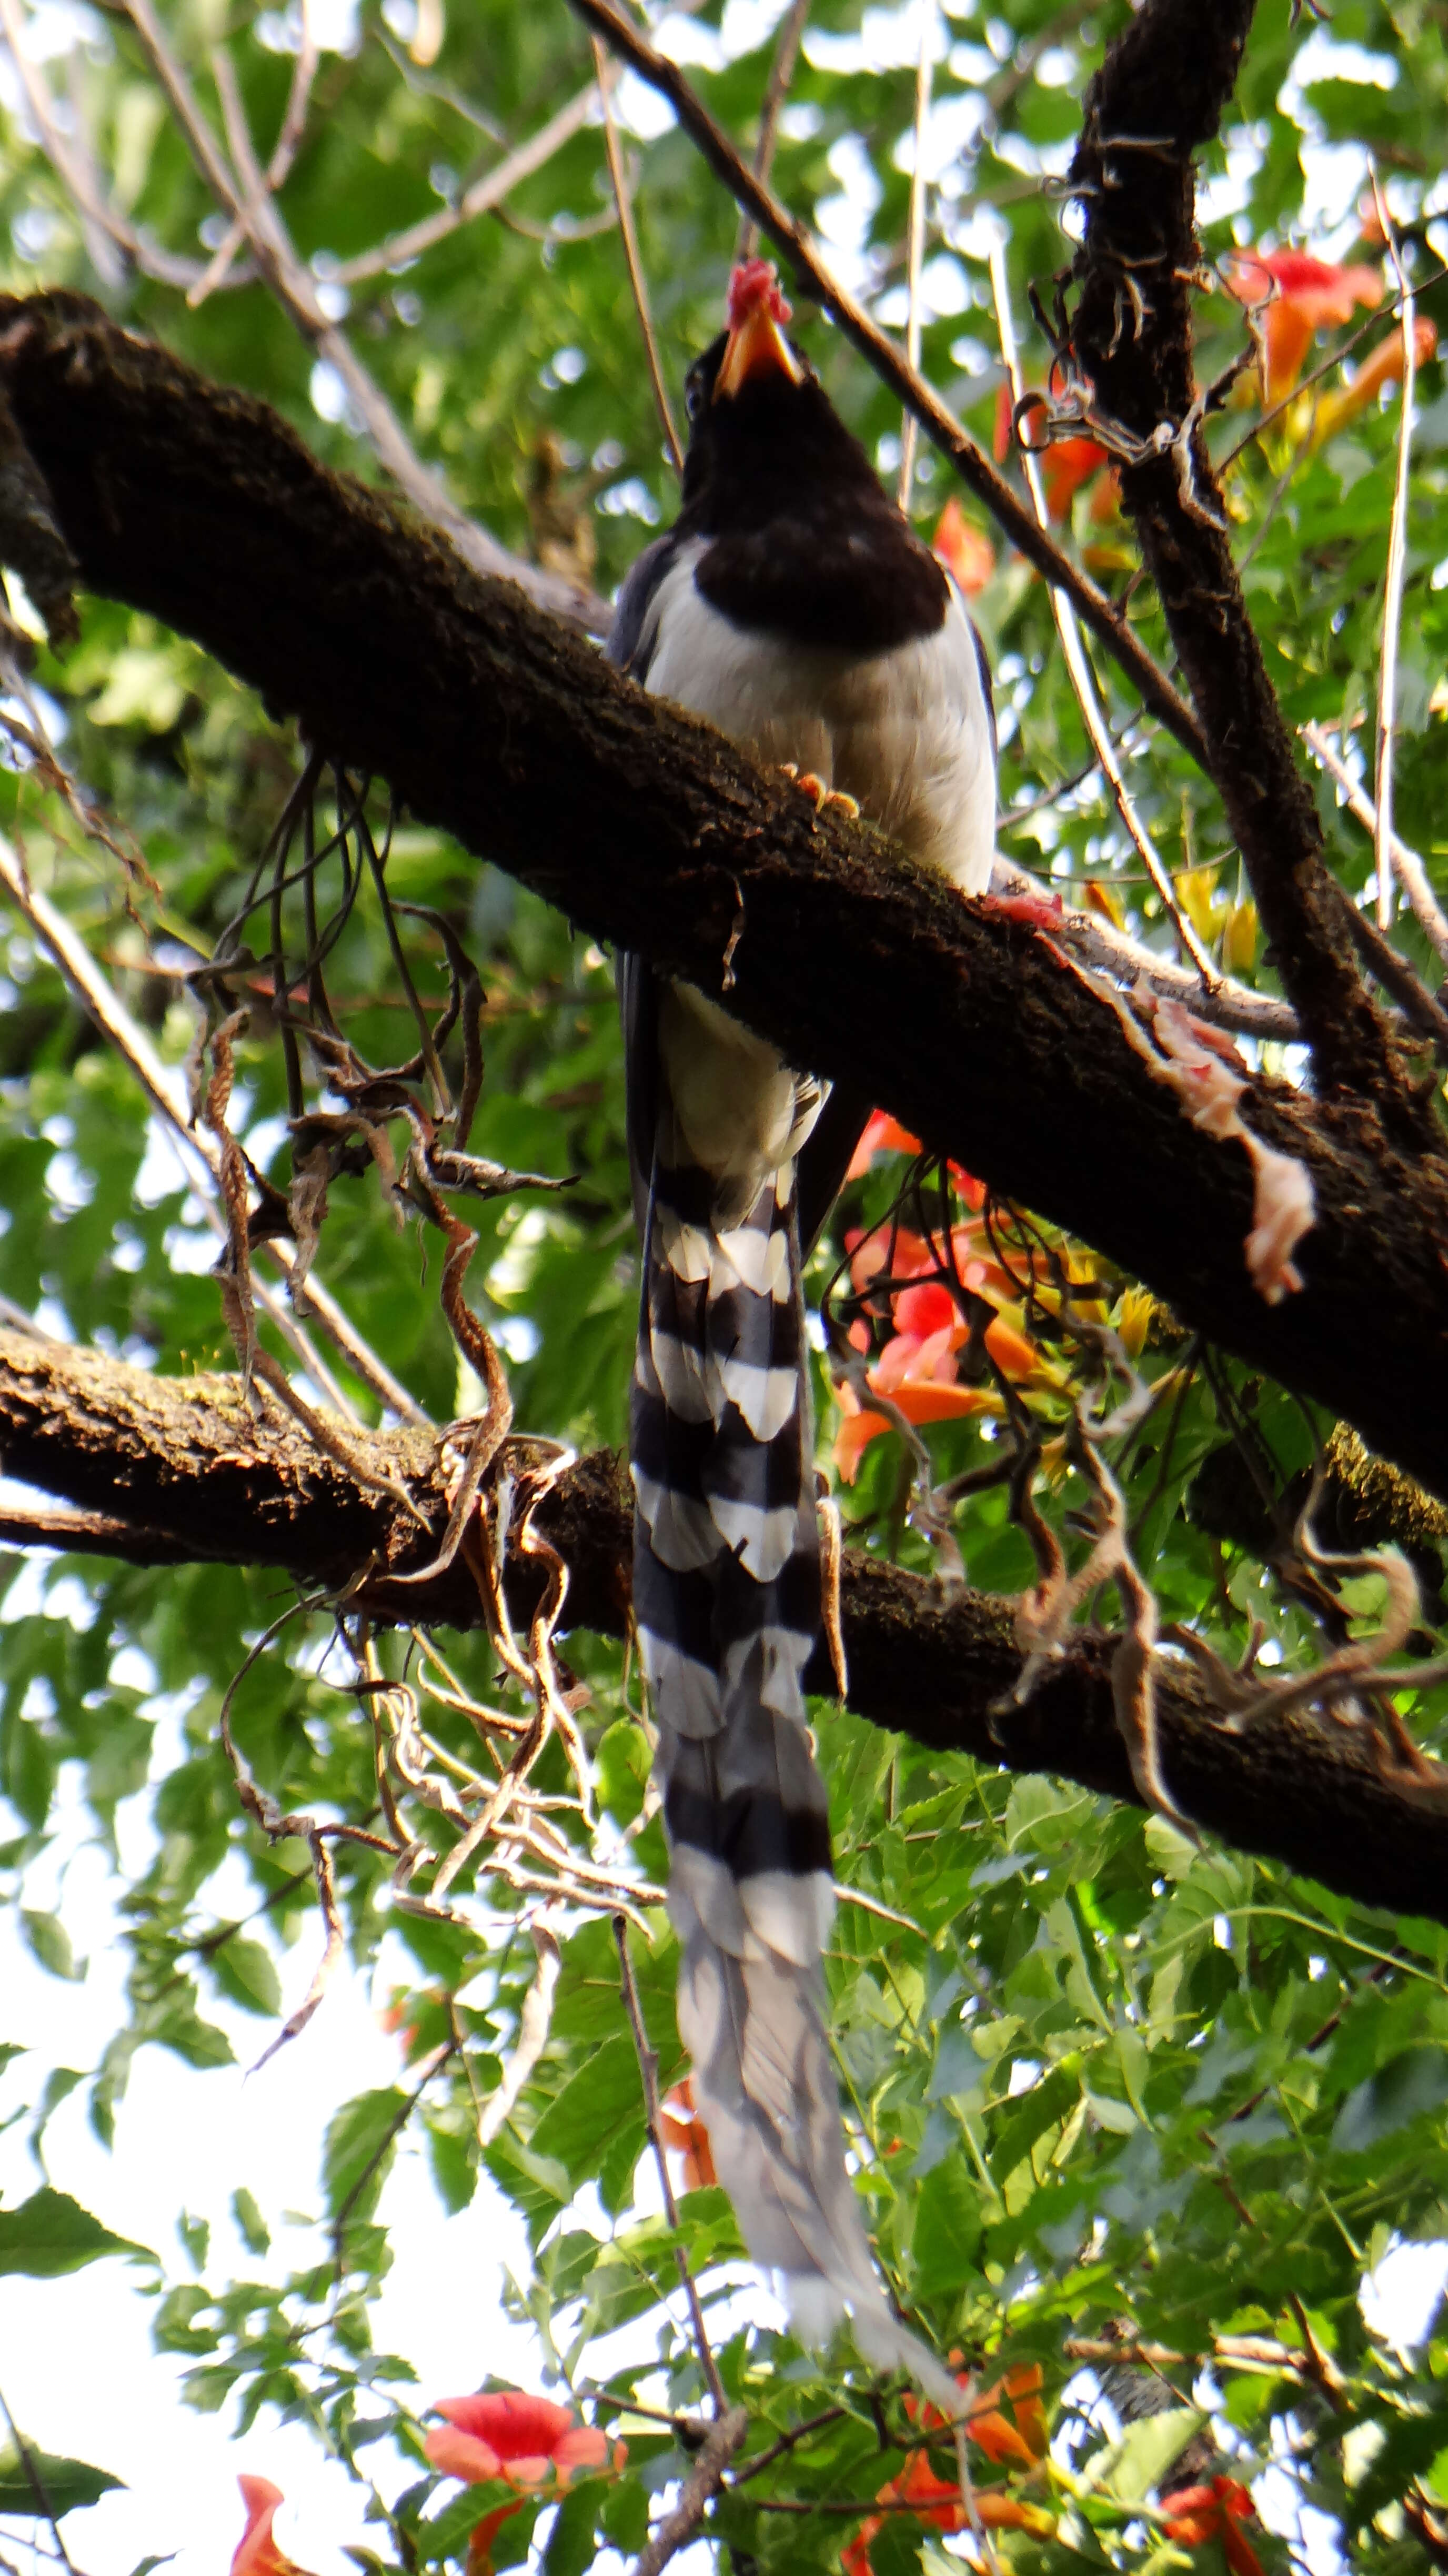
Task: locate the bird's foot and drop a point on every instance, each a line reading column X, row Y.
column 1039, row 911
column 819, row 795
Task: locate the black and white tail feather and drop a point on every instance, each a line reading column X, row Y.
column 793, row 607
column 727, row 1601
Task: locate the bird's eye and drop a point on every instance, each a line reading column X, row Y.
column 693, row 397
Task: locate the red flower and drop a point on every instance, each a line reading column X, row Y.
column 507, row 2434
column 1066, row 464
column 938, row 2500
column 896, row 1253
column 1385, row 366
column 1305, row 294
column 685, row 2132
column 1025, row 2440
column 917, row 1367
column 883, row 1134
column 525, row 2440
column 1215, row 2512
column 964, row 549
column 256, row 2552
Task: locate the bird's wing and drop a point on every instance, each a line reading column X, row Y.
column 630, row 646
column 634, row 632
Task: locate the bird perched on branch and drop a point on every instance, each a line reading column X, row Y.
column 792, row 605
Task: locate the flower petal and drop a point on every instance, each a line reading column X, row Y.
column 587, row 2447
column 256, row 2552
column 516, row 2424
column 964, row 548
column 463, row 2455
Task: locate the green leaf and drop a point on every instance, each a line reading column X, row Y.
column 897, row 2546
column 570, row 2550
column 246, row 1974
column 578, row 2128
column 50, row 2234
column 1411, row 2085
column 1031, row 2115
column 195, row 2235
column 66, row 2483
column 48, row 1940
column 251, row 2226
column 1130, row 2468
column 444, row 2534
column 358, row 2150
column 60, row 2083
column 946, row 2241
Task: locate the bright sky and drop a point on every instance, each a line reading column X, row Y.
column 76, row 2363
column 78, row 2369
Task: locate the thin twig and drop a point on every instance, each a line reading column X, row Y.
column 935, row 417
column 1394, row 972
column 699, row 2488
column 1326, row 367
column 1410, row 869
column 71, row 169
column 624, row 202
column 284, row 153
column 36, row 2482
column 432, row 2065
column 1012, row 79
column 242, row 194
column 781, row 73
column 480, row 199
column 532, row 2039
column 1229, row 1005
column 95, row 1534
column 915, row 243
column 109, row 1012
column 787, row 2442
column 1078, row 664
column 649, row 2077
column 336, row 1939
column 102, row 248
column 1393, row 580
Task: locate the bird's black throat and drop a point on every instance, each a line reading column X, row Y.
column 805, row 544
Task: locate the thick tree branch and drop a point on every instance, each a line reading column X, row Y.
column 504, row 727
column 167, row 1470
column 1157, row 98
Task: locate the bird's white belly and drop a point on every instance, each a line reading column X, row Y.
column 906, row 733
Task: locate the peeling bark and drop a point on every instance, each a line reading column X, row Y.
column 174, row 1470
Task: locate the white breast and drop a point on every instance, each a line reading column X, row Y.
column 906, row 733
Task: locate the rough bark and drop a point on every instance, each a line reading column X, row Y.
column 504, row 727
column 1157, row 98
column 170, row 1470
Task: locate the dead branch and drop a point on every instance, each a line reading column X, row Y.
column 700, row 2487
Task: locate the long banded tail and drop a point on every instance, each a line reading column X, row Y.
column 727, row 1599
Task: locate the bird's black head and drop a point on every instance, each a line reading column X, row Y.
column 804, row 541
column 762, row 430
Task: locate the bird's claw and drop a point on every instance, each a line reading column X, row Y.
column 819, row 795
